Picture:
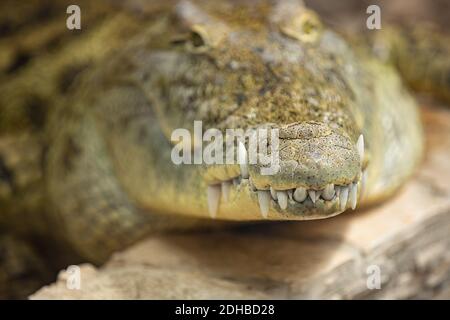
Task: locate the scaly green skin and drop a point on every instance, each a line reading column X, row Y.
column 107, row 173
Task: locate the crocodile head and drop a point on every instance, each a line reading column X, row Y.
column 277, row 68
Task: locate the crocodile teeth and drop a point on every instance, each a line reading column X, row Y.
column 251, row 184
column 360, row 148
column 273, row 193
column 363, row 184
column 226, row 185
column 300, row 194
column 282, row 199
column 318, row 194
column 312, row 195
column 290, row 194
column 328, row 192
column 264, row 202
column 353, row 195
column 213, row 193
column 343, row 197
column 242, row 159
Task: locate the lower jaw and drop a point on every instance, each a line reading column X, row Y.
column 241, row 201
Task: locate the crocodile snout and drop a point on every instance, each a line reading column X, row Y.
column 311, row 155
column 319, row 168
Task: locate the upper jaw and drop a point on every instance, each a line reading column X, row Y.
column 294, row 201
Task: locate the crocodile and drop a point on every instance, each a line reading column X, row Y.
column 87, row 116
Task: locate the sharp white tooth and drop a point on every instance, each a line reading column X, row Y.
column 264, row 202
column 360, row 148
column 318, row 194
column 353, row 195
column 273, row 193
column 213, row 193
column 252, row 186
column 312, row 195
column 243, row 160
column 282, row 199
column 226, row 185
column 358, row 188
column 300, row 194
column 328, row 192
column 343, row 197
column 363, row 184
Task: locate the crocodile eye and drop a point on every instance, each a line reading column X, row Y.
column 305, row 27
column 197, row 40
column 192, row 41
column 310, row 25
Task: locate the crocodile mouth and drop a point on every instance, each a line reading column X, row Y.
column 321, row 201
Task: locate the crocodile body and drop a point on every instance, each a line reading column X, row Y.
column 86, row 123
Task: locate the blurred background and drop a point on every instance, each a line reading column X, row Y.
column 31, row 30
